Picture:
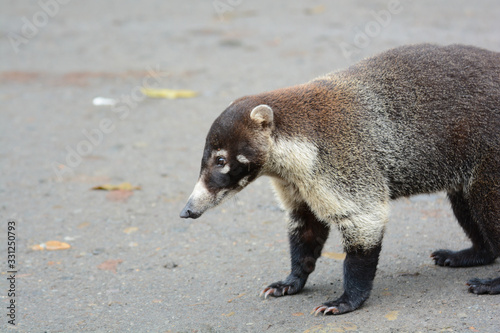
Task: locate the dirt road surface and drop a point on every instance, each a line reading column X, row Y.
column 133, row 265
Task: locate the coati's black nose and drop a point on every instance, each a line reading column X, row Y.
column 188, row 213
column 185, row 213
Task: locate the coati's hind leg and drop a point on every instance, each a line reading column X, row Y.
column 480, row 253
column 307, row 235
column 481, row 221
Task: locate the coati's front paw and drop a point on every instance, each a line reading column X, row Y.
column 464, row 258
column 335, row 308
column 288, row 287
column 481, row 286
column 346, row 303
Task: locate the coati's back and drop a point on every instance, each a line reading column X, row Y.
column 433, row 113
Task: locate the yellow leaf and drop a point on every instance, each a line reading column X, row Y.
column 130, row 230
column 333, row 255
column 123, row 186
column 392, row 315
column 168, row 93
column 56, row 245
column 228, row 314
column 51, row 246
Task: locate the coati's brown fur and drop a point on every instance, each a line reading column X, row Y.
column 415, row 119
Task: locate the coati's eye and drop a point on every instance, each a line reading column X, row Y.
column 221, row 161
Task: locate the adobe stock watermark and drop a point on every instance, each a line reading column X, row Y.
column 363, row 37
column 31, row 26
column 222, row 7
column 95, row 136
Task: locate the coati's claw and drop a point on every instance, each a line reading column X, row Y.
column 317, row 310
column 325, row 310
column 476, row 286
column 331, row 309
column 269, row 291
column 276, row 290
column 442, row 257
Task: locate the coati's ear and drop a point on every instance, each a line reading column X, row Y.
column 262, row 114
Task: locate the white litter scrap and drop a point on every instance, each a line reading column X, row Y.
column 99, row 101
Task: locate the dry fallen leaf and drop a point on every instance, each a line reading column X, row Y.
column 392, row 315
column 51, row 246
column 333, row 255
column 123, row 186
column 56, row 245
column 130, row 230
column 228, row 314
column 168, row 93
column 119, row 195
column 110, row 265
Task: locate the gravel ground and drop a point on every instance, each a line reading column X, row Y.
column 133, row 264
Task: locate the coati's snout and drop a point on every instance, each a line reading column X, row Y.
column 199, row 201
column 232, row 158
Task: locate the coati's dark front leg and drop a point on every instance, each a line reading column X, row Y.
column 362, row 237
column 359, row 272
column 307, row 235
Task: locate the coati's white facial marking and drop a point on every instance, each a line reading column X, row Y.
column 220, row 195
column 243, row 181
column 225, row 169
column 220, row 152
column 242, row 159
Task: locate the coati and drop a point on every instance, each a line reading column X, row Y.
column 414, row 119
